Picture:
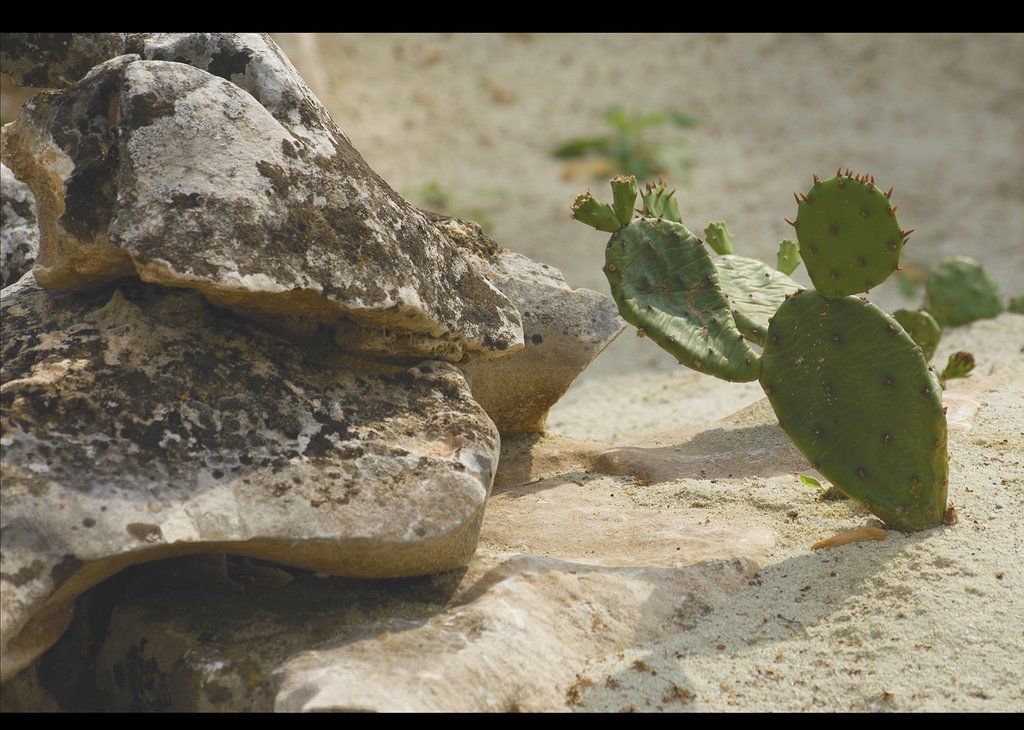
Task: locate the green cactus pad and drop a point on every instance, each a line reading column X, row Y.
column 854, row 393
column 922, row 328
column 788, row 257
column 755, row 291
column 718, row 237
column 664, row 282
column 659, row 202
column 850, row 239
column 959, row 291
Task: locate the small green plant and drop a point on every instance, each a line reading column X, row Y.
column 433, row 196
column 850, row 387
column 633, row 147
column 959, row 365
column 809, row 481
column 825, row 492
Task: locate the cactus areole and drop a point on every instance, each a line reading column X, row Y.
column 850, row 387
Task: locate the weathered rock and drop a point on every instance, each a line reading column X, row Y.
column 252, row 61
column 511, row 632
column 748, row 443
column 144, row 424
column 246, row 191
column 19, row 231
column 564, row 330
column 26, row 692
column 56, row 59
column 188, row 642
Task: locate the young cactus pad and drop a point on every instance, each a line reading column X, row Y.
column 849, row 237
column 660, row 202
column 718, row 237
column 788, row 257
column 959, row 291
column 854, row 393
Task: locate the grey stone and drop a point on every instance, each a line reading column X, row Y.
column 56, row 59
column 144, row 423
column 19, row 230
column 564, row 330
column 250, row 60
column 248, row 192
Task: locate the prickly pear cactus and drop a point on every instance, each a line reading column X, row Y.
column 755, row 291
column 850, row 239
column 850, row 386
column 959, row 291
column 664, row 282
column 922, row 328
column 854, row 393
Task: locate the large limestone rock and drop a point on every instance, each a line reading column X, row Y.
column 19, row 231
column 142, row 423
column 564, row 330
column 240, row 186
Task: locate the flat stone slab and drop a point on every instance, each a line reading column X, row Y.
column 143, row 423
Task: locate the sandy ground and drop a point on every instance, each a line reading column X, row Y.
column 913, row 623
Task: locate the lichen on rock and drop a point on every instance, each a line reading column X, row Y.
column 141, row 423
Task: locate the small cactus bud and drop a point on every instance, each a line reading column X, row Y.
column 960, row 365
column 586, row 209
column 624, row 197
column 719, row 238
